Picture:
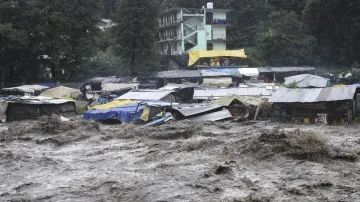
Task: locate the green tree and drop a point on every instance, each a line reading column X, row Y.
column 336, row 25
column 62, row 32
column 284, row 41
column 14, row 39
column 67, row 32
column 135, row 34
column 104, row 63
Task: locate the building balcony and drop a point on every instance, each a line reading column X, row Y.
column 170, row 23
column 220, row 22
column 219, row 37
column 168, row 52
column 170, row 38
column 193, row 12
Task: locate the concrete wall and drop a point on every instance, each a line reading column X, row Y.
column 218, row 14
column 202, row 42
column 219, row 45
column 208, row 32
column 218, row 32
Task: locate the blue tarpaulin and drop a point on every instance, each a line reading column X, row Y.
column 124, row 113
column 228, row 71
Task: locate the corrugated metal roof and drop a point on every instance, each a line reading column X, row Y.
column 246, row 100
column 39, row 100
column 110, row 87
column 179, row 74
column 249, row 71
column 307, row 80
column 215, row 116
column 145, row 95
column 217, row 93
column 286, row 95
column 193, row 109
column 174, row 86
column 26, row 88
column 285, row 69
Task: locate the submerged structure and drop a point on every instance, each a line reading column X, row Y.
column 316, row 105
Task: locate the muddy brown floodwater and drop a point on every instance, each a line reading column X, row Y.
column 49, row 160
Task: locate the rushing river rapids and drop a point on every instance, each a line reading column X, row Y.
column 50, row 160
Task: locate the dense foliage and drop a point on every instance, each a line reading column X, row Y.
column 58, row 34
column 62, row 35
column 135, row 34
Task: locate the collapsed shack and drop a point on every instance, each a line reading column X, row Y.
column 183, row 92
column 108, row 85
column 23, row 108
column 316, row 105
column 61, row 92
column 117, row 88
column 246, row 108
column 127, row 111
column 25, row 90
column 200, row 112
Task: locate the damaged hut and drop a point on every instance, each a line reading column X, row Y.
column 200, row 112
column 246, row 107
column 108, row 85
column 61, row 92
column 22, row 108
column 127, row 111
column 25, row 90
column 316, row 105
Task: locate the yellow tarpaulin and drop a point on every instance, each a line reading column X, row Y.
column 61, row 92
column 113, row 104
column 145, row 114
column 339, row 86
column 194, row 56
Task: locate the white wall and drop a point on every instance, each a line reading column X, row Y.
column 219, row 45
column 218, row 32
column 208, row 32
column 218, row 14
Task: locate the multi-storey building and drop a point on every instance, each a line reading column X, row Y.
column 182, row 30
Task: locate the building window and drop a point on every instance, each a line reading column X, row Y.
column 209, row 18
column 210, row 46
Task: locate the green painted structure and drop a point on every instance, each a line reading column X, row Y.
column 182, row 30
